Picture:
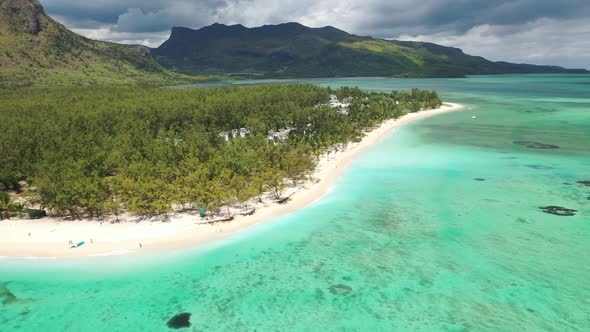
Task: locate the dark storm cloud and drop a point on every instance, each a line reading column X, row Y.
column 382, row 15
column 133, row 15
column 101, row 12
column 430, row 16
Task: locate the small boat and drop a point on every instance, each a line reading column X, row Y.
column 77, row 245
column 474, row 117
column 248, row 213
column 219, row 220
column 283, row 200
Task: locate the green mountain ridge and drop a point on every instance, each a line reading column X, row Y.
column 294, row 50
column 36, row 50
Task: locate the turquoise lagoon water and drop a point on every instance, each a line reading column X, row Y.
column 437, row 228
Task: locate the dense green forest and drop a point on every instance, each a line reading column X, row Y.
column 94, row 152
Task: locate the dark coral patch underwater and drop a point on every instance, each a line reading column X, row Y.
column 540, row 167
column 536, row 145
column 180, row 321
column 6, row 296
column 541, row 110
column 558, row 211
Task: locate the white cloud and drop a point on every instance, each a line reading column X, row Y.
column 150, row 39
column 545, row 41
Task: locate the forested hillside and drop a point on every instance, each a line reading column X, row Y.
column 294, row 50
column 35, row 50
column 96, row 151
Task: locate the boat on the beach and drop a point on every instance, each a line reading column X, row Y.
column 77, row 245
column 218, row 220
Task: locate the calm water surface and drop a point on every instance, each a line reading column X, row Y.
column 438, row 228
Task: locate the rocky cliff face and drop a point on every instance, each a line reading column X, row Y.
column 23, row 16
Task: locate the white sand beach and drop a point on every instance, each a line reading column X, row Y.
column 50, row 237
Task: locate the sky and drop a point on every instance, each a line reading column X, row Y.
column 555, row 32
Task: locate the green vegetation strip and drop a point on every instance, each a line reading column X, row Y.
column 94, row 152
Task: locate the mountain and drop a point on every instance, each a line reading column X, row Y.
column 294, row 50
column 36, row 50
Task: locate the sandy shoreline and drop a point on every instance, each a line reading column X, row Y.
column 50, row 237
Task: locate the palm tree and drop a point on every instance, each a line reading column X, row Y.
column 5, row 207
column 18, row 208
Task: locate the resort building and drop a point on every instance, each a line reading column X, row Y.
column 234, row 133
column 281, row 134
column 341, row 106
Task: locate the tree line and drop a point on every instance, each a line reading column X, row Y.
column 95, row 152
